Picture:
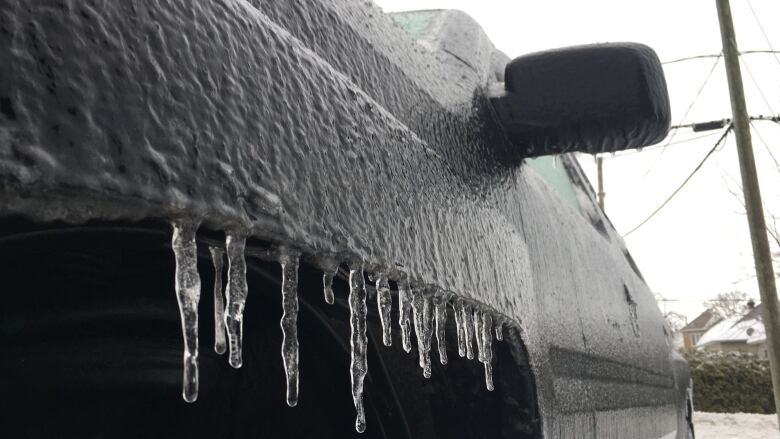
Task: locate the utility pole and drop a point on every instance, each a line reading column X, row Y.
column 752, row 194
column 599, row 168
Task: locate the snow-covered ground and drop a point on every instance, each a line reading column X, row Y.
column 735, row 426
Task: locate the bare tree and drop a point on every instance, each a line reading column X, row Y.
column 674, row 320
column 729, row 304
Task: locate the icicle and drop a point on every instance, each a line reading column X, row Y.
column 187, row 294
column 236, row 295
column 457, row 309
column 478, row 335
column 486, row 334
column 289, row 325
column 327, row 282
column 423, row 327
column 404, row 311
column 468, row 330
column 500, row 330
column 217, row 256
column 358, row 366
column 385, row 304
column 440, row 312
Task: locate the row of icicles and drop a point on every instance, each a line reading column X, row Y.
column 427, row 311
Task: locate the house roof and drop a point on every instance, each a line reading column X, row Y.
column 748, row 328
column 702, row 323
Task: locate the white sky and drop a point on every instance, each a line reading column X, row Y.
column 698, row 245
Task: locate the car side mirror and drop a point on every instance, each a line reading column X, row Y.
column 594, row 98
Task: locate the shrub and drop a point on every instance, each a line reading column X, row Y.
column 730, row 382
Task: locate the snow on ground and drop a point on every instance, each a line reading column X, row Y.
column 735, row 426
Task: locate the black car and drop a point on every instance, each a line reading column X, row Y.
column 402, row 195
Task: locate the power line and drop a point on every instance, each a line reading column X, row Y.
column 651, row 148
column 716, row 55
column 766, row 38
column 676, row 191
column 758, row 134
column 693, row 101
column 758, row 87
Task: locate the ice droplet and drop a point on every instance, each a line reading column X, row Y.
column 458, row 313
column 217, row 256
column 486, row 334
column 358, row 366
column 422, row 312
column 468, row 330
column 236, row 295
column 404, row 311
column 478, row 335
column 187, row 283
column 327, row 282
column 499, row 330
column 440, row 311
column 385, row 304
column 289, row 325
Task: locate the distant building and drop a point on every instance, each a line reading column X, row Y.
column 745, row 334
column 692, row 332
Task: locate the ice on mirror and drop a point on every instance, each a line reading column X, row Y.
column 217, row 258
column 289, row 325
column 236, row 294
column 187, row 283
column 384, row 304
column 358, row 366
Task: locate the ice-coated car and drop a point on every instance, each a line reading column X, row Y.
column 295, row 218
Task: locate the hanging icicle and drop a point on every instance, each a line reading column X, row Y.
column 358, row 366
column 289, row 325
column 384, row 304
column 328, row 274
column 468, row 329
column 404, row 312
column 477, row 316
column 217, row 257
column 187, row 282
column 486, row 333
column 236, row 295
column 422, row 315
column 500, row 330
column 440, row 311
column 458, row 313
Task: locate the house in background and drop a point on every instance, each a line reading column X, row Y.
column 692, row 332
column 745, row 334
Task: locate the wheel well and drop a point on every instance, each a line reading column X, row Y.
column 92, row 347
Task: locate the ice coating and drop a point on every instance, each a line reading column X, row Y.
column 188, row 295
column 236, row 293
column 217, row 257
column 486, row 334
column 327, row 282
column 458, row 313
column 384, row 304
column 358, row 366
column 404, row 313
column 499, row 330
column 468, row 329
column 440, row 312
column 422, row 316
column 289, row 324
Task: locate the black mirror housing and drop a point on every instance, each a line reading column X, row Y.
column 594, row 98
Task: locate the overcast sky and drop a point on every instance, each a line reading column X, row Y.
column 699, row 244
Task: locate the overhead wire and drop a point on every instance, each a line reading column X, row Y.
column 766, row 38
column 651, row 148
column 766, row 146
column 693, row 102
column 758, row 87
column 687, row 179
column 715, row 55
